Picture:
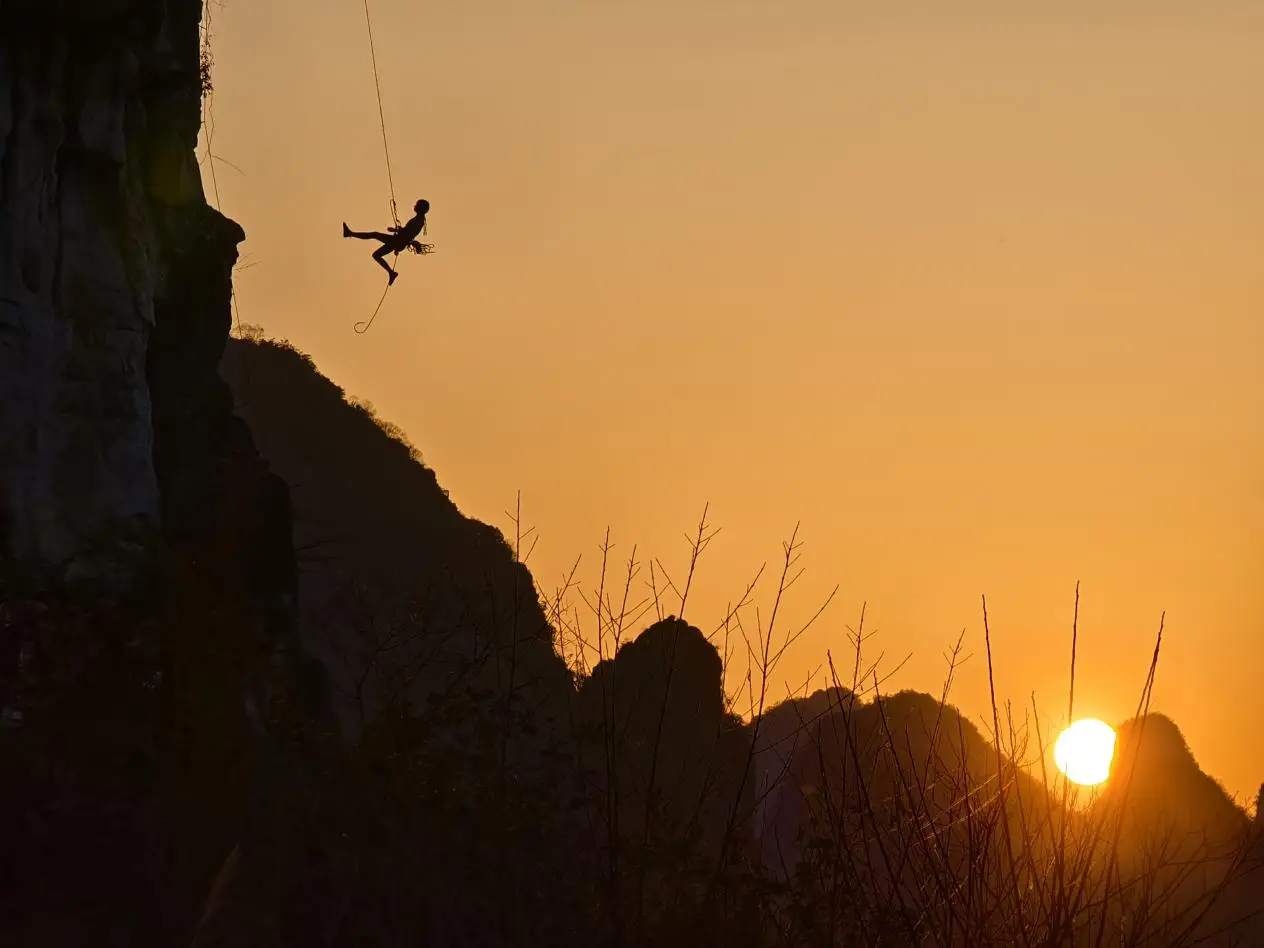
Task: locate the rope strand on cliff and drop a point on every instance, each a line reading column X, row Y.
column 206, row 61
column 381, row 114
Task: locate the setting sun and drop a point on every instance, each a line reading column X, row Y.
column 1084, row 750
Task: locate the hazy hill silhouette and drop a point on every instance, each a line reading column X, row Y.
column 900, row 759
column 782, row 726
column 783, row 731
column 1165, row 786
column 1181, row 829
column 400, row 594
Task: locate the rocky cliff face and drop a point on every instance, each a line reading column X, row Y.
column 146, row 565
column 114, row 277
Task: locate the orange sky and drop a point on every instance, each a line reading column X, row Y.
column 976, row 296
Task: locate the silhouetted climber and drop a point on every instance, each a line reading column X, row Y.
column 398, row 239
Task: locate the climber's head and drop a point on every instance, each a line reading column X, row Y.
column 422, row 206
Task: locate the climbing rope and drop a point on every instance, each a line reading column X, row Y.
column 363, row 327
column 381, row 114
column 425, row 249
column 369, row 322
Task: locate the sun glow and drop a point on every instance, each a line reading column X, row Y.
column 1084, row 750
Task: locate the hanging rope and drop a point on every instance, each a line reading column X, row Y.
column 377, row 83
column 369, row 322
column 363, row 327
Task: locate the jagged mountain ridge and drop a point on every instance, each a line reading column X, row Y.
column 384, row 552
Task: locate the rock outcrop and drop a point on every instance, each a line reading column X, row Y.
column 147, row 579
column 106, row 246
column 660, row 740
column 1161, row 786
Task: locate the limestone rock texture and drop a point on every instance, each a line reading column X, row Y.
column 147, row 573
column 115, row 277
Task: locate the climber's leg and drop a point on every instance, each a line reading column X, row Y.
column 380, row 256
column 366, row 234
